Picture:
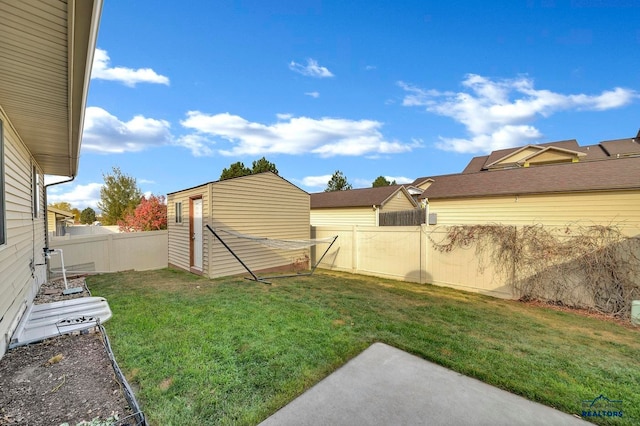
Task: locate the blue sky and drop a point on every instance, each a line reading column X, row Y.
column 180, row 90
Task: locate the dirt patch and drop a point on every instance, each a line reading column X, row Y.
column 590, row 313
column 64, row 379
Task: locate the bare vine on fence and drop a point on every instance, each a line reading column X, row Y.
column 593, row 267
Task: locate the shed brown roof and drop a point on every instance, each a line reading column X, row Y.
column 623, row 173
column 365, row 197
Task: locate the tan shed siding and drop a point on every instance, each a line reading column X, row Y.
column 364, row 216
column 179, row 237
column 280, row 211
column 25, row 235
column 620, row 207
column 399, row 202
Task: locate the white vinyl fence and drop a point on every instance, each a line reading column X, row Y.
column 138, row 251
column 407, row 253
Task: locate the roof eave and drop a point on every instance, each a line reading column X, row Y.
column 84, row 16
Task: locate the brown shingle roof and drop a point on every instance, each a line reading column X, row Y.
column 623, row 173
column 621, row 147
column 354, row 197
column 476, row 164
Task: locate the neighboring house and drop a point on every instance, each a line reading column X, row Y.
column 57, row 221
column 46, row 53
column 556, row 183
column 359, row 206
column 281, row 211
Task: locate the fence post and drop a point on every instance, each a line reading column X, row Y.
column 424, row 252
column 354, row 251
column 109, row 250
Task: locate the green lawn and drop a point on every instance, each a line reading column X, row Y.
column 232, row 351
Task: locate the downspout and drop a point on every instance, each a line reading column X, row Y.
column 46, row 213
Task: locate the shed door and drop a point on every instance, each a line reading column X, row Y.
column 196, row 233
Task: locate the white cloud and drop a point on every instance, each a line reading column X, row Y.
column 79, row 196
column 147, row 181
column 315, row 95
column 316, row 181
column 498, row 114
column 370, row 67
column 102, row 70
column 312, row 69
column 282, row 116
column 197, row 144
column 105, row 133
column 325, row 137
column 399, row 179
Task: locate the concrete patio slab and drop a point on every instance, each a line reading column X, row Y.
column 386, row 386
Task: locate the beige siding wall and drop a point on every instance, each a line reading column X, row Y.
column 20, row 274
column 399, row 202
column 620, row 207
column 263, row 205
column 363, row 216
column 179, row 234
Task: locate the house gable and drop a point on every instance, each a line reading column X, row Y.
column 531, row 155
column 399, row 200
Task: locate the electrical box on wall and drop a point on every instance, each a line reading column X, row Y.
column 433, row 218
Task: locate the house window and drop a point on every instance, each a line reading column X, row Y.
column 178, row 212
column 3, row 225
column 35, row 189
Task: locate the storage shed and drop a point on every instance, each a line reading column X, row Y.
column 261, row 205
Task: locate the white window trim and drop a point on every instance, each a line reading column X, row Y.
column 178, row 211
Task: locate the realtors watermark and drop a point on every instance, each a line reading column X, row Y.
column 601, row 406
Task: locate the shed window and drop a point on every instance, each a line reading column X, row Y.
column 178, row 212
column 3, row 215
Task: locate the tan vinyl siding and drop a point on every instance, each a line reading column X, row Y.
column 25, row 235
column 620, row 207
column 179, row 237
column 398, row 202
column 363, row 216
column 280, row 211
